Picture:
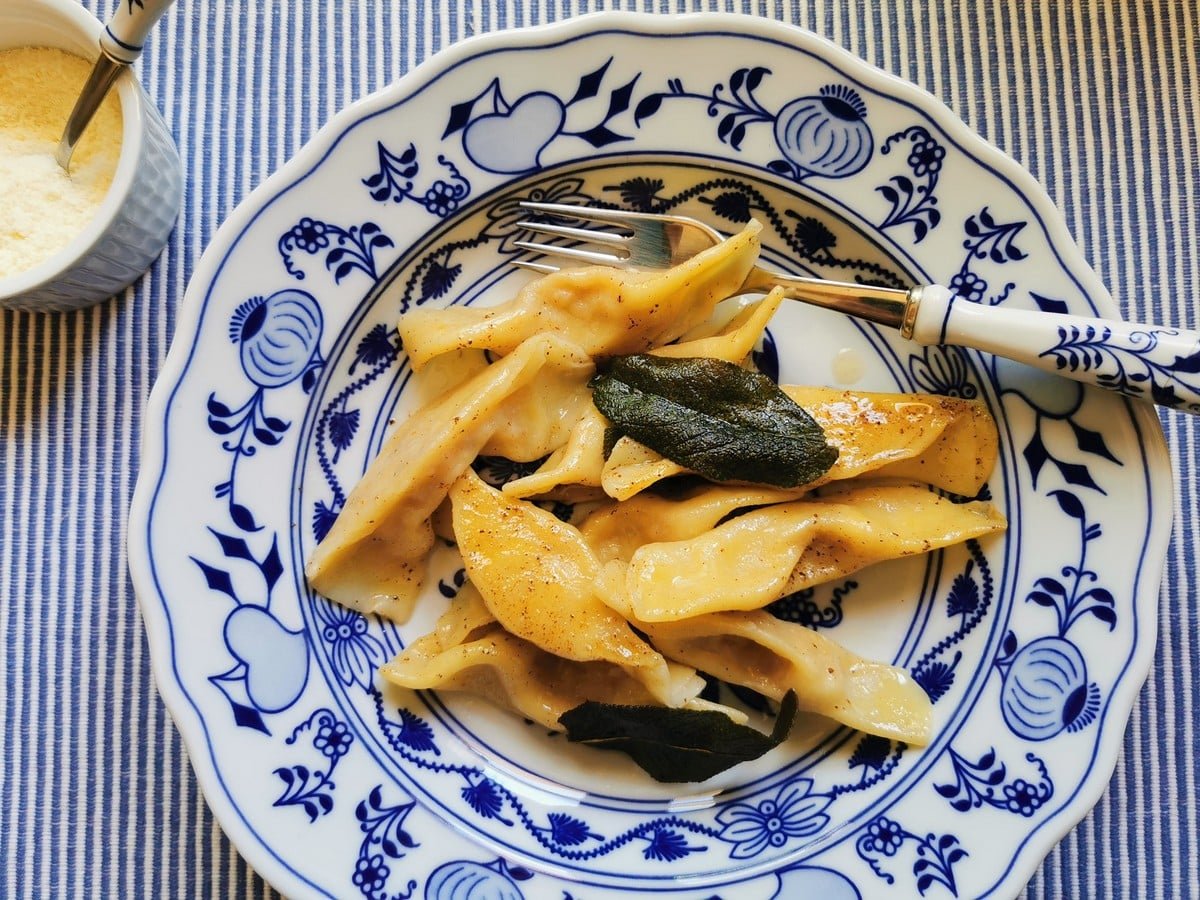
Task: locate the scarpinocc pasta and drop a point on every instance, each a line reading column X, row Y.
column 703, row 493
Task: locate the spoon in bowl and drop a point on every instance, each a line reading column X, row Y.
column 121, row 44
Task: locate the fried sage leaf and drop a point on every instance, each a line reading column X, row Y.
column 715, row 418
column 675, row 745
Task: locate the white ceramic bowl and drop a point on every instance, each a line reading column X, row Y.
column 133, row 222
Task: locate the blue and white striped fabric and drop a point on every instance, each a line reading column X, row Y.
column 1099, row 100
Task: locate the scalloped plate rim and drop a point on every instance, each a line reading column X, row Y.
column 1159, row 477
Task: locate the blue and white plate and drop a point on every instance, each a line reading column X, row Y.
column 287, row 371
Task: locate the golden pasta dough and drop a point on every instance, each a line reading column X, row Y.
column 657, row 583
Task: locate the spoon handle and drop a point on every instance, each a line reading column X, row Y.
column 121, row 44
column 125, row 34
column 1149, row 362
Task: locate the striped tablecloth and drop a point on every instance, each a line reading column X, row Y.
column 1098, row 99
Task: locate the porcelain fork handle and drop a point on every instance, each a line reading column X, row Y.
column 1149, row 362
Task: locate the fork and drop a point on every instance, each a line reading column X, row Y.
column 1148, row 362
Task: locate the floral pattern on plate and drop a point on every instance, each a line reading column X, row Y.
column 288, row 371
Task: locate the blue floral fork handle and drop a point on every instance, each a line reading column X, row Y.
column 1148, row 362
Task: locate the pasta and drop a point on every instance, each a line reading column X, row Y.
column 581, row 460
column 946, row 442
column 941, row 441
column 603, row 311
column 617, row 530
column 663, row 580
column 469, row 651
column 537, row 576
column 373, row 558
column 771, row 656
column 782, row 548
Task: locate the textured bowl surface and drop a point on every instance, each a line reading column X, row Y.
column 132, row 225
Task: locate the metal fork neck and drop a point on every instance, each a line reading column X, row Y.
column 892, row 307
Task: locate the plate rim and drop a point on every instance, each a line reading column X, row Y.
column 1159, row 476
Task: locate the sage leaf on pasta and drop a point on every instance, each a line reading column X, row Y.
column 675, row 745
column 716, row 419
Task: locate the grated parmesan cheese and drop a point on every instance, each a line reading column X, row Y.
column 845, row 412
column 42, row 208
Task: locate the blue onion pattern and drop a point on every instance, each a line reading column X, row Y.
column 350, row 249
column 509, row 137
column 511, row 141
column 826, row 134
column 1159, row 364
column 307, row 787
column 384, row 838
column 882, row 839
column 983, row 781
column 883, row 836
column 814, row 881
column 942, row 370
column 394, row 182
column 991, row 242
column 354, row 654
column 757, row 825
column 822, row 134
column 912, row 197
column 279, row 336
column 1046, row 690
column 666, row 845
column 466, row 880
column 797, row 811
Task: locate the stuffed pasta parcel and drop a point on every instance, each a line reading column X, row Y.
column 702, row 493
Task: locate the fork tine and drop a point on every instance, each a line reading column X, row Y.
column 540, row 268
column 588, row 256
column 579, row 234
column 584, row 213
